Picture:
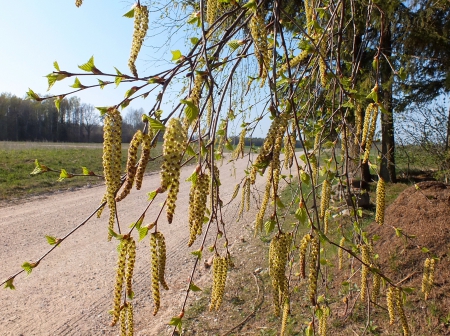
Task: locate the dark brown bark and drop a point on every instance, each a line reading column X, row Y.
column 387, row 169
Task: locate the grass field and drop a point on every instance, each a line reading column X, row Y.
column 17, row 162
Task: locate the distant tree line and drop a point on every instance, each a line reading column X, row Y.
column 26, row 120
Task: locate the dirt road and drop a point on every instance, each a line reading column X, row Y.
column 70, row 292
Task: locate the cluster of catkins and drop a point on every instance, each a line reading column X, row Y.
column 278, row 255
column 269, row 155
column 395, row 308
column 125, row 267
column 220, row 269
column 239, row 151
column 135, row 171
column 245, row 197
column 158, row 262
column 428, row 276
column 112, row 153
column 197, row 205
column 173, row 148
column 139, row 32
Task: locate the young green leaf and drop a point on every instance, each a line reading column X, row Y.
column 156, row 124
column 269, row 226
column 28, row 267
column 56, row 66
column 151, row 195
column 193, row 178
column 198, row 254
column 129, row 14
column 176, row 55
column 194, row 288
column 176, row 322
column 63, row 175
column 143, row 231
column 33, row 96
column 9, row 284
column 191, row 110
column 77, row 84
column 88, row 66
column 51, row 240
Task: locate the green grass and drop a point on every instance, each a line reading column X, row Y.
column 17, row 162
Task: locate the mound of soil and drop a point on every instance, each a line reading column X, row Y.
column 422, row 215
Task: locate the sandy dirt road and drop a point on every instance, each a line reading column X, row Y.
column 70, row 292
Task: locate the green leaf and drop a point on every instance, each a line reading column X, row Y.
column 301, row 215
column 58, row 102
column 176, row 55
column 102, row 83
column 191, row 110
column 193, row 178
column 88, row 66
column 360, row 213
column 425, row 250
column 33, row 96
column 198, row 254
column 280, row 203
column 114, row 234
column 9, row 284
column 131, row 91
column 156, row 124
column 194, row 18
column 117, row 80
column 143, row 231
column 269, row 226
column 77, row 84
column 194, row 288
column 63, row 175
column 151, row 195
column 190, row 151
column 176, row 322
column 398, row 232
column 129, row 14
column 125, row 103
column 408, row 290
column 234, row 44
column 402, row 74
column 28, row 267
column 194, row 40
column 51, row 240
column 56, row 66
column 305, row 177
column 373, row 94
column 103, row 109
column 86, row 171
column 51, row 79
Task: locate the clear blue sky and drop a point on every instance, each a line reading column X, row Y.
column 34, row 34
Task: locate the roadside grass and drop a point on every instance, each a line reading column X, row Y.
column 17, row 161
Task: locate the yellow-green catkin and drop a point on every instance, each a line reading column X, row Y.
column 115, row 312
column 285, row 317
column 295, row 61
column 78, row 3
column 278, row 255
column 314, row 168
column 364, row 271
column 401, row 311
column 380, row 201
column 376, row 283
column 323, row 319
column 139, row 32
column 302, row 254
column 289, row 150
column 358, row 122
column 428, row 276
column 341, row 253
column 155, row 272
column 131, row 165
column 258, row 32
column 325, row 197
column 322, row 63
column 391, row 302
column 173, row 147
column 197, row 205
column 130, row 319
column 123, row 321
column 162, row 251
column 239, row 151
column 220, row 269
column 245, row 197
column 212, row 11
column 314, row 257
column 143, row 161
column 326, row 221
column 371, row 131
column 112, row 155
column 131, row 259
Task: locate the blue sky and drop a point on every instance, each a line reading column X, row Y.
column 34, row 34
